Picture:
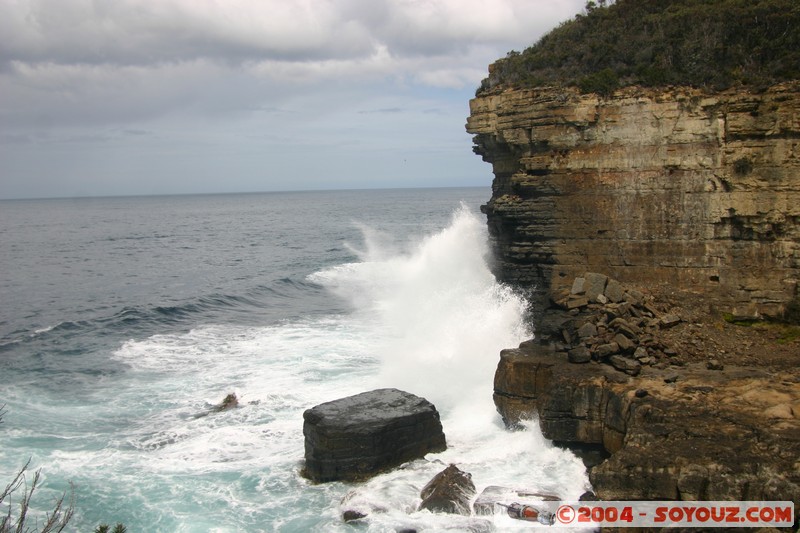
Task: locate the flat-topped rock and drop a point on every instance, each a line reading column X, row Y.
column 358, row 436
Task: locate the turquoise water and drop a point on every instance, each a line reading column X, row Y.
column 125, row 320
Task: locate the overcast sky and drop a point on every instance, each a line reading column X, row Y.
column 117, row 97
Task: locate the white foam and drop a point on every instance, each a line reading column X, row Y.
column 441, row 315
column 429, row 318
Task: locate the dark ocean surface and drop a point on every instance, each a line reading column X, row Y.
column 125, row 320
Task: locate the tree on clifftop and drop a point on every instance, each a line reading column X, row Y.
column 703, row 43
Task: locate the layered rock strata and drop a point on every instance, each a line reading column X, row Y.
column 697, row 190
column 356, row 437
column 690, row 434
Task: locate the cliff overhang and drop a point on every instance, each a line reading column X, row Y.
column 676, row 186
column 675, row 191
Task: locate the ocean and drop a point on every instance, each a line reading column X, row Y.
column 124, row 321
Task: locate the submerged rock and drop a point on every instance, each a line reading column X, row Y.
column 229, row 402
column 448, row 492
column 490, row 499
column 356, row 437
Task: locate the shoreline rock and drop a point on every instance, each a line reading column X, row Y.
column 359, row 436
column 450, row 491
column 675, row 426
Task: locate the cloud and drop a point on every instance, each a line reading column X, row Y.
column 211, row 77
column 127, row 51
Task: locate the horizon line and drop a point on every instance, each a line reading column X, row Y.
column 232, row 193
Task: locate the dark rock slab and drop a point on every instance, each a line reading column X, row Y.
column 450, row 491
column 356, row 437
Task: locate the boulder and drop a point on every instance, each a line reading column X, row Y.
column 614, row 291
column 578, row 286
column 576, row 302
column 450, row 491
column 587, row 330
column 356, row 437
column 594, row 285
column 605, row 350
column 579, row 354
column 229, row 402
column 623, row 364
column 351, row 515
column 624, row 343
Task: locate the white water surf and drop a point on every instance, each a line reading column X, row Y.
column 428, row 317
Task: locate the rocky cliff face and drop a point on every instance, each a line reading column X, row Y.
column 695, row 434
column 696, row 190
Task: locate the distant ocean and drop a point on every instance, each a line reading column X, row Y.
column 124, row 320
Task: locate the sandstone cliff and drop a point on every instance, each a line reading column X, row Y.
column 692, row 199
column 679, row 186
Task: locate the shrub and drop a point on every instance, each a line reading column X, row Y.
column 603, row 83
column 55, row 521
column 701, row 43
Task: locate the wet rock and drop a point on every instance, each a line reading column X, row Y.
column 229, row 402
column 351, row 515
column 356, row 437
column 486, row 502
column 450, row 491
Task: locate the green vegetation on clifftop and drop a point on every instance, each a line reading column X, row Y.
column 711, row 43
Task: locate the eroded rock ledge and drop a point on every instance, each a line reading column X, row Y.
column 680, row 402
column 703, row 436
column 675, row 186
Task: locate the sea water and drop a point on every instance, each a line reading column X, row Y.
column 124, row 321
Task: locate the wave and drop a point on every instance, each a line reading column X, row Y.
column 443, row 315
column 281, row 295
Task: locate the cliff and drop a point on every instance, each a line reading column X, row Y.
column 676, row 186
column 690, row 201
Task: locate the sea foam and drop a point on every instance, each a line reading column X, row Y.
column 427, row 316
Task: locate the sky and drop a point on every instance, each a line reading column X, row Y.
column 122, row 97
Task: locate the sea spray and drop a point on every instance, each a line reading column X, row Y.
column 442, row 316
column 128, row 422
column 440, row 320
